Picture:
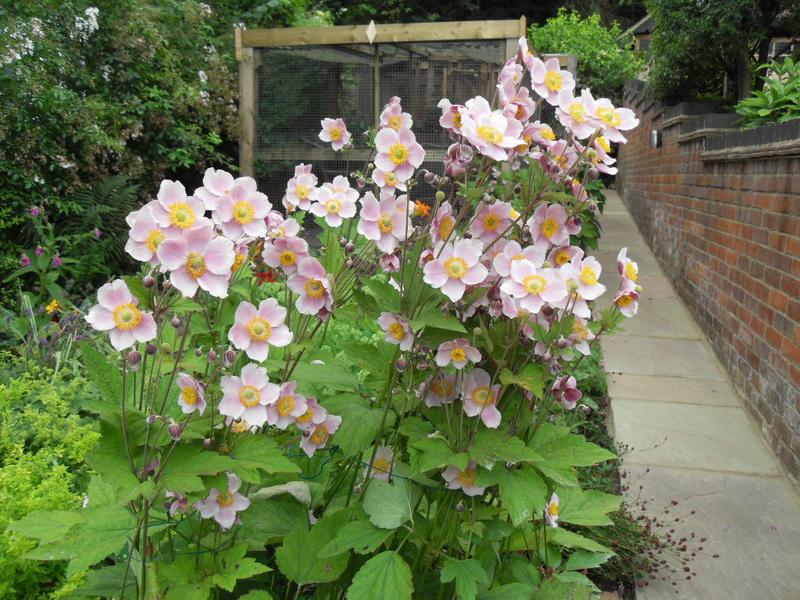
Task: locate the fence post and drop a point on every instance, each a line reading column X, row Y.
column 247, row 119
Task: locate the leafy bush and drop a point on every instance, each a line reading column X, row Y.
column 604, row 60
column 779, row 101
column 42, row 446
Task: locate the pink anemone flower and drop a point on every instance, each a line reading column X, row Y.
column 463, row 480
column 398, row 152
column 548, row 80
column 192, row 397
column 443, row 223
column 333, row 207
column 314, row 415
column 223, row 506
column 627, row 269
column 301, row 189
column 491, row 132
column 393, row 116
column 241, row 213
column 573, row 114
column 334, row 131
column 480, row 398
column 175, row 211
column 318, row 437
column 551, row 511
column 565, row 390
column 533, row 287
column 627, row 299
column 217, row 184
column 117, row 312
column 285, row 253
column 585, row 272
column 313, row 287
column 457, row 266
column 254, row 329
column 288, row 408
column 513, row 252
column 387, row 180
column 490, row 221
column 451, row 116
column 613, row 120
column 439, row 390
column 198, row 259
column 397, row 330
column 246, row 397
column 382, row 463
column 145, row 235
column 458, row 353
column 387, row 222
column 549, row 222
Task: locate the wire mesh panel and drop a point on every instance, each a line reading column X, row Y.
column 298, row 86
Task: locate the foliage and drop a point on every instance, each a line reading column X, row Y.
column 695, row 44
column 605, row 60
column 779, row 101
column 42, row 447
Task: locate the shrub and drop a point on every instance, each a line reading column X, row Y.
column 779, row 101
column 604, row 60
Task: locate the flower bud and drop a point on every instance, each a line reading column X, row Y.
column 165, row 347
column 573, row 285
column 357, row 490
column 167, row 285
column 151, row 349
column 444, row 180
column 207, row 443
column 518, row 189
column 440, row 196
column 361, row 182
column 149, row 281
column 349, row 263
column 212, row 356
column 639, row 289
column 151, row 419
column 228, row 358
column 134, row 358
column 592, row 174
column 342, row 241
column 198, row 351
column 174, row 429
column 422, row 366
column 176, row 322
column 477, row 331
column 401, row 364
column 460, row 507
column 349, row 247
column 429, row 177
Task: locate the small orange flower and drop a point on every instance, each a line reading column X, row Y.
column 421, row 209
column 268, row 276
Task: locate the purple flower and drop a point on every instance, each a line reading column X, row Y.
column 97, row 233
column 57, row 261
column 565, row 391
column 35, row 211
column 25, row 261
column 39, row 251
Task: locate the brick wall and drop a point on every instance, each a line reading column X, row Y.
column 721, row 211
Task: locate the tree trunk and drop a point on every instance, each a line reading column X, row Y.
column 744, row 74
column 763, row 57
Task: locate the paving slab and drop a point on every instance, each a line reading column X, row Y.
column 663, row 318
column 637, row 355
column 691, row 436
column 752, row 523
column 684, row 390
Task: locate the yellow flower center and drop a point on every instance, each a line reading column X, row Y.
column 577, row 111
column 302, row 191
column 588, row 276
column 490, row 134
column 552, row 509
column 225, row 499
column 458, row 355
column 456, row 267
column 553, row 81
column 631, row 271
column 333, row 206
column 534, row 284
column 483, row 395
column 549, row 227
column 286, row 405
column 608, row 116
column 457, row 120
column 547, row 132
column 314, row 288
column 395, row 122
column 239, row 427
column 243, row 212
column 154, row 238
column 562, row 258
column 259, row 329
column 385, row 224
column 446, row 227
column 382, row 465
column 335, row 133
column 127, row 317
column 624, row 301
column 390, row 178
column 287, row 258
column 580, row 329
column 238, row 261
column 182, row 215
column 306, row 416
column 397, row 331
column 320, row 434
column 442, row 387
column 189, row 395
column 603, row 143
column 466, row 477
column 249, row 396
column 398, row 153
column 491, row 221
column 196, row 265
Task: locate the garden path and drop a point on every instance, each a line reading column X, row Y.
column 674, row 405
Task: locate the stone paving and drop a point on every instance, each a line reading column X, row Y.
column 673, row 404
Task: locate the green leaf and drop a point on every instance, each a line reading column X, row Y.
column 188, row 462
column 106, row 378
column 106, row 582
column 360, row 536
column 560, row 448
column 468, row 575
column 415, row 428
column 390, row 505
column 435, row 453
column 136, row 287
column 590, row 507
column 272, row 518
column 182, row 305
column 492, row 445
column 510, row 591
column 109, row 459
column 555, row 589
column 257, row 595
column 531, row 378
column 298, row 557
column 360, row 422
column 233, row 565
column 332, row 374
column 388, row 297
column 261, row 452
column 385, row 576
column 47, row 526
column 578, row 579
column 570, row 539
column 583, row 559
column 523, row 492
column 436, row 320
